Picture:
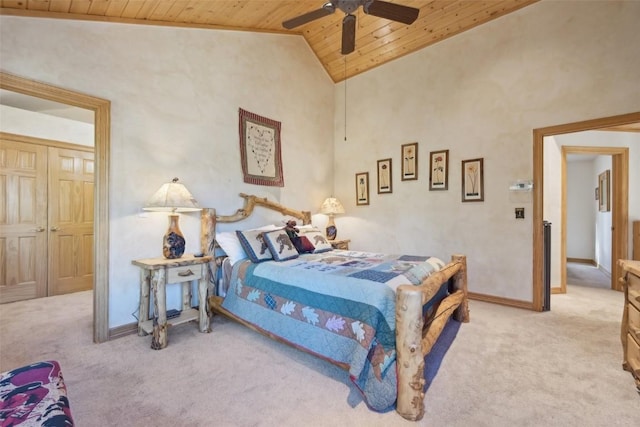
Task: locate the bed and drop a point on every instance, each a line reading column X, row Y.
column 376, row 315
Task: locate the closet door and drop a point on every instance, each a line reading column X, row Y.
column 70, row 220
column 23, row 221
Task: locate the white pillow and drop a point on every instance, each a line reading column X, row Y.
column 308, row 227
column 230, row 244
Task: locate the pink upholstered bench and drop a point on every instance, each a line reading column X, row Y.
column 34, row 395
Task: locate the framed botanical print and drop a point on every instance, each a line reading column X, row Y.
column 604, row 204
column 409, row 156
column 260, row 150
column 362, row 188
column 472, row 180
column 439, row 170
column 385, row 184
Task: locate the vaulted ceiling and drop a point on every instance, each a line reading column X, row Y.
column 378, row 40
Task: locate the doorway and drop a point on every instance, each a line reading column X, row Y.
column 619, row 197
column 101, row 109
column 618, row 206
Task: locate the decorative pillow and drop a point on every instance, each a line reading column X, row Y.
column 280, row 245
column 303, row 244
column 319, row 241
column 253, row 243
column 231, row 246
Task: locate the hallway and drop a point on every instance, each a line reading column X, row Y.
column 580, row 274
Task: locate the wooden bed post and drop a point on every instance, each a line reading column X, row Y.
column 414, row 341
column 409, row 323
column 207, row 243
column 460, row 283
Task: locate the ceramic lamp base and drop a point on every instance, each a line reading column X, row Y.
column 173, row 244
column 331, row 230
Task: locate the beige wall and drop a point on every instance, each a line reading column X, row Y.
column 175, row 94
column 480, row 94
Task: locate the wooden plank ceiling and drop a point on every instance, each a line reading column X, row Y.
column 378, row 40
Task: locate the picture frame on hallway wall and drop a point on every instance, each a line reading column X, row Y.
column 473, row 180
column 439, row 170
column 604, row 204
column 409, row 156
column 385, row 179
column 362, row 188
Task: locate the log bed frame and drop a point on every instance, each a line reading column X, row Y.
column 414, row 336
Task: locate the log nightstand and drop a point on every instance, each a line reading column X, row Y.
column 155, row 274
column 340, row 244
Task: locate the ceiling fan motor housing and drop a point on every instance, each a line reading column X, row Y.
column 349, row 6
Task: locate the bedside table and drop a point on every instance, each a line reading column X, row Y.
column 155, row 274
column 340, row 244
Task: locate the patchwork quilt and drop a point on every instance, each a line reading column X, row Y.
column 337, row 304
column 34, row 395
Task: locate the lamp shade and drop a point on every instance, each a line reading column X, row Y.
column 174, row 197
column 332, row 206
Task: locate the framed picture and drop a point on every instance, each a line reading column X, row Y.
column 385, row 184
column 409, row 155
column 472, row 180
column 439, row 170
column 603, row 190
column 362, row 188
column 260, row 150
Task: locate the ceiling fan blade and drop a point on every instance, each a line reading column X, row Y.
column 348, row 34
column 325, row 10
column 393, row 11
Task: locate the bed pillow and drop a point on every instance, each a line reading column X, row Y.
column 319, row 241
column 253, row 243
column 419, row 272
column 303, row 244
column 280, row 245
column 231, row 246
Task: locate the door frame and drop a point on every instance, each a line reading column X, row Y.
column 102, row 125
column 620, row 244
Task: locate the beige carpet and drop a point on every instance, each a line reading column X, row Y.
column 508, row 367
column 587, row 275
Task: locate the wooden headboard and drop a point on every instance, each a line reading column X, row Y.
column 209, row 219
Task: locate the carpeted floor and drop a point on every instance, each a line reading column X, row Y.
column 508, row 367
column 582, row 274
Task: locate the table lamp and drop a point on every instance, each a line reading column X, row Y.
column 331, row 207
column 172, row 197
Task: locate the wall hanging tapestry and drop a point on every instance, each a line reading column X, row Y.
column 260, row 150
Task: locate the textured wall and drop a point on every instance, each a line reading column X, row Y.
column 581, row 210
column 22, row 122
column 480, row 94
column 175, row 94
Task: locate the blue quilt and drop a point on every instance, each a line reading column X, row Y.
column 337, row 304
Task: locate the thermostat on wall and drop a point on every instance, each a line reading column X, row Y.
column 521, row 185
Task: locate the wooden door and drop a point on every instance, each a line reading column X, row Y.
column 70, row 220
column 23, row 221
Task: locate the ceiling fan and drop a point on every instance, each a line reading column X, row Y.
column 381, row 9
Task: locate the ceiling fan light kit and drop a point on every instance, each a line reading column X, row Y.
column 381, row 9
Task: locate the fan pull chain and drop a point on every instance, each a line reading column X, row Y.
column 345, row 97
